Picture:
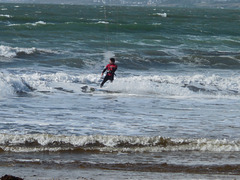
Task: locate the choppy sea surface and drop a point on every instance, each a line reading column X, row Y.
column 172, row 108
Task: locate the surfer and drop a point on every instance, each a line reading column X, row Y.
column 110, row 68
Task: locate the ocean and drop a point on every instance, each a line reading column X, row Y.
column 172, row 111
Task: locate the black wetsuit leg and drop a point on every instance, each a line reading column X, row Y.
column 106, row 79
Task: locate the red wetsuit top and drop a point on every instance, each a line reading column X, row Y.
column 111, row 68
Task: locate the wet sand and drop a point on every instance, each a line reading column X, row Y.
column 39, row 173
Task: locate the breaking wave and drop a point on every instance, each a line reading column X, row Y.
column 105, row 143
column 38, row 23
column 198, row 85
column 161, row 14
column 179, row 85
column 6, row 15
column 17, row 52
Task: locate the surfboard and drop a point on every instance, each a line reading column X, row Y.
column 89, row 89
column 64, row 90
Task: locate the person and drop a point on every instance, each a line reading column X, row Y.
column 110, row 68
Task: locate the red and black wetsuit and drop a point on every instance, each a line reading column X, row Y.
column 111, row 68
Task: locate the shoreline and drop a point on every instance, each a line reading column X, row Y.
column 39, row 173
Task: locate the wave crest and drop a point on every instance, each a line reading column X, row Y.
column 108, row 143
column 38, row 23
column 198, row 85
column 16, row 52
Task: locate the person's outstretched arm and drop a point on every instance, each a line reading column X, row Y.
column 104, row 70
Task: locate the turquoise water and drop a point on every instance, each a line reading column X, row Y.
column 172, row 108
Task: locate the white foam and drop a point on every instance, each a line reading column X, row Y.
column 32, row 149
column 5, row 15
column 37, row 23
column 190, row 86
column 47, row 142
column 33, row 24
column 203, row 145
column 102, row 22
column 156, row 24
column 5, row 88
column 161, row 14
column 10, row 52
column 184, row 86
column 12, row 83
column 6, row 51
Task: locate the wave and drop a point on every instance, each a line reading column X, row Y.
column 161, row 14
column 218, row 59
column 194, row 86
column 191, row 86
column 17, row 52
column 12, row 84
column 94, row 24
column 229, row 169
column 102, row 22
column 178, row 56
column 38, row 23
column 108, row 143
column 6, row 15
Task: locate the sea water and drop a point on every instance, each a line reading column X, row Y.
column 173, row 108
